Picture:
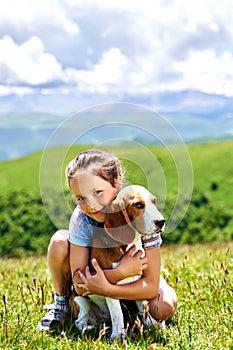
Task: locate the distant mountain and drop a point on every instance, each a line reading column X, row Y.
column 18, row 142
column 22, row 134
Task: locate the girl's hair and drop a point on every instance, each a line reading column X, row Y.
column 103, row 164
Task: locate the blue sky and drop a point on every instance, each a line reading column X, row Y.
column 176, row 57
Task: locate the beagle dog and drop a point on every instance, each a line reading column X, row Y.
column 131, row 219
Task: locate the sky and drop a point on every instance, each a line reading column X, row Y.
column 176, row 57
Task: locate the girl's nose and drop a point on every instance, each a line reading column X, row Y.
column 92, row 204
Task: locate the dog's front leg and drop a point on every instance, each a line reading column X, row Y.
column 117, row 319
column 86, row 318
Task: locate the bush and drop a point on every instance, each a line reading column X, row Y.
column 24, row 224
column 205, row 221
column 25, row 227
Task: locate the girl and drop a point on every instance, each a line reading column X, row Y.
column 95, row 178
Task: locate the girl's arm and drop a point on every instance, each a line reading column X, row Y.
column 144, row 288
column 78, row 261
column 131, row 264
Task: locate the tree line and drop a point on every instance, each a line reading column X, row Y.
column 25, row 227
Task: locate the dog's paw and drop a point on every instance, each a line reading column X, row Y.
column 149, row 321
column 84, row 325
column 118, row 334
column 80, row 325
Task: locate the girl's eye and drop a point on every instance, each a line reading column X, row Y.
column 97, row 192
column 80, row 199
column 139, row 205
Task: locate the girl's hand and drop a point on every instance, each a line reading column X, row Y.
column 94, row 284
column 132, row 264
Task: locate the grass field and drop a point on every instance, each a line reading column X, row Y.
column 201, row 275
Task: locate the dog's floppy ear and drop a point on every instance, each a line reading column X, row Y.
column 117, row 225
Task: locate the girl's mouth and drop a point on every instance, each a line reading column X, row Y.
column 96, row 212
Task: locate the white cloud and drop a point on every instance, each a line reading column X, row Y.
column 109, row 71
column 31, row 13
column 207, row 72
column 27, row 64
column 116, row 47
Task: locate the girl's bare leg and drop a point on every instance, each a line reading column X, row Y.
column 164, row 305
column 59, row 266
column 58, row 263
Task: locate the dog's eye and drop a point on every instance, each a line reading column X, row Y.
column 139, row 205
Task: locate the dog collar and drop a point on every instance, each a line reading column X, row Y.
column 152, row 242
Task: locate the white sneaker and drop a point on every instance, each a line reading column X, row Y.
column 55, row 316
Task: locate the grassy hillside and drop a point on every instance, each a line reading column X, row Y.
column 212, row 163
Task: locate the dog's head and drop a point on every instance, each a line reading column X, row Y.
column 133, row 209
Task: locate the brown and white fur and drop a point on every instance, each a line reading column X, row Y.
column 132, row 216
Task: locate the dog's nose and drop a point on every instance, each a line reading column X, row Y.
column 159, row 223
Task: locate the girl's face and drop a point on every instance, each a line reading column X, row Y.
column 92, row 194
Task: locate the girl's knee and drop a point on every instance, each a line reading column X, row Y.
column 164, row 306
column 59, row 243
column 163, row 310
column 170, row 303
column 168, row 309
